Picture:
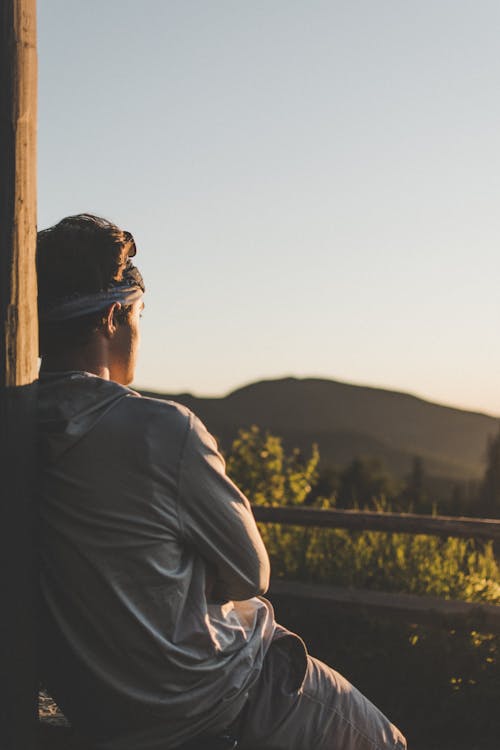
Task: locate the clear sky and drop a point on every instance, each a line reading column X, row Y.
column 314, row 186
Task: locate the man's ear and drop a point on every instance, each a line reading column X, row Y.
column 111, row 324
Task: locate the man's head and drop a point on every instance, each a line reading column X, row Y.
column 89, row 295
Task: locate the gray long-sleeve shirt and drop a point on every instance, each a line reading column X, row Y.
column 139, row 523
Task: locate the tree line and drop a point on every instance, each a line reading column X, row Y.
column 269, row 474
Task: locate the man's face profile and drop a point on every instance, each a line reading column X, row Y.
column 124, row 340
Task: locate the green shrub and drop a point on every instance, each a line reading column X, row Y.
column 417, row 564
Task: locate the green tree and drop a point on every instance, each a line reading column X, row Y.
column 364, row 482
column 457, row 504
column 326, row 485
column 415, row 497
column 257, row 462
column 489, row 494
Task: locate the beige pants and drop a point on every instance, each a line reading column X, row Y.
column 299, row 703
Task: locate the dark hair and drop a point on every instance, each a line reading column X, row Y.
column 81, row 254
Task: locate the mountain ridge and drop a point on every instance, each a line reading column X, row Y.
column 348, row 420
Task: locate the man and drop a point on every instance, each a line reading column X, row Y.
column 154, row 631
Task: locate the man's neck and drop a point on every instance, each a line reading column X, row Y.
column 88, row 359
column 49, row 364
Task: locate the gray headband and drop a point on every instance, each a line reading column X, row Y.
column 128, row 290
column 76, row 307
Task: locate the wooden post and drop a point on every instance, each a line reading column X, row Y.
column 18, row 372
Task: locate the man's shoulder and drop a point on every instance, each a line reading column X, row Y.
column 148, row 409
column 159, row 407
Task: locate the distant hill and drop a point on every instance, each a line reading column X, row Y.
column 350, row 420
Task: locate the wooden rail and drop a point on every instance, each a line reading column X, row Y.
column 423, row 610
column 426, row 610
column 406, row 523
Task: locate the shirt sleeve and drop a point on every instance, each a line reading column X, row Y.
column 217, row 520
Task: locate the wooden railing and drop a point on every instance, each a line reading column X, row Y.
column 427, row 610
column 405, row 523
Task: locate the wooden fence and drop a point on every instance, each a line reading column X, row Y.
column 426, row 610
